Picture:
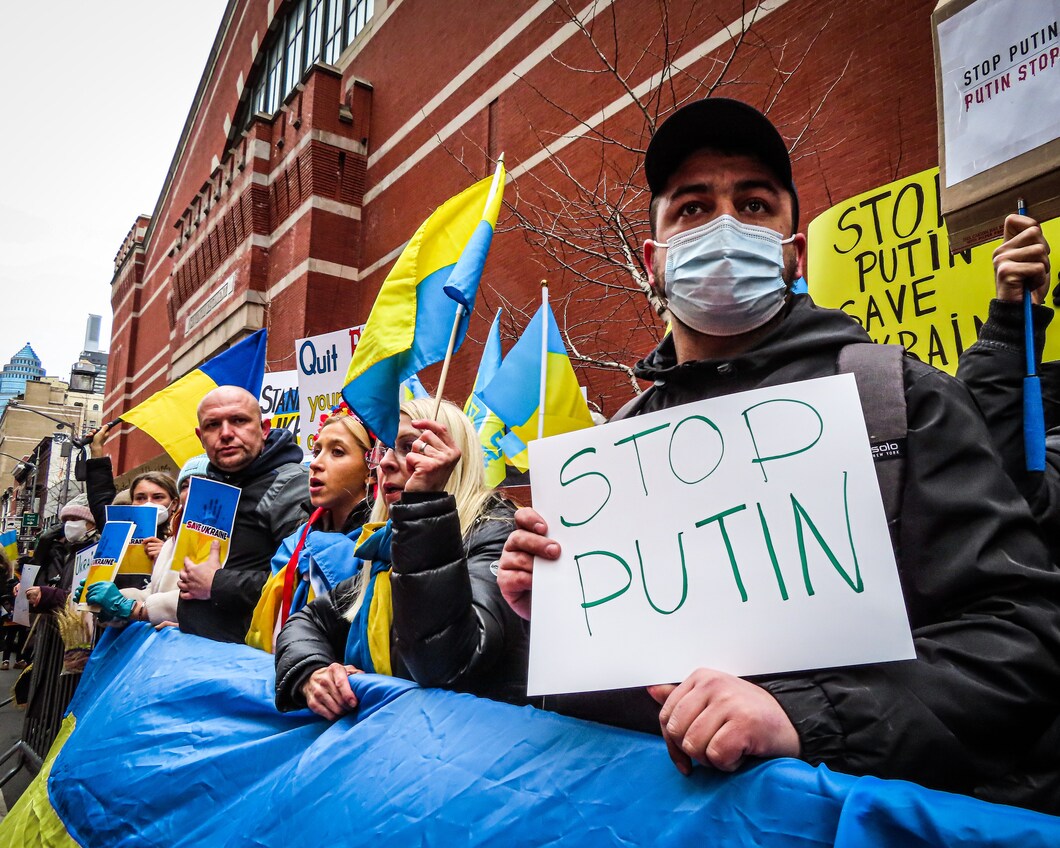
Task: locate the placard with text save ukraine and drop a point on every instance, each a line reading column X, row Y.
column 208, row 515
column 744, row 533
column 883, row 257
column 145, row 525
column 113, row 542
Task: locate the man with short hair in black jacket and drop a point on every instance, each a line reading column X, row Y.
column 982, row 598
column 267, row 467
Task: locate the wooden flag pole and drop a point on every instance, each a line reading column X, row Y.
column 544, row 361
column 460, row 307
column 448, row 359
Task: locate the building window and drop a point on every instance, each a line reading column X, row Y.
column 294, row 53
column 333, row 32
column 309, row 31
column 357, row 16
column 274, row 77
column 314, row 22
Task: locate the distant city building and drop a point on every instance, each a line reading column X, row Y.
column 92, row 332
column 92, row 354
column 24, row 365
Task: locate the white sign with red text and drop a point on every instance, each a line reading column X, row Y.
column 321, row 363
column 1000, row 70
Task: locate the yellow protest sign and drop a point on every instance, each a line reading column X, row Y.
column 883, row 257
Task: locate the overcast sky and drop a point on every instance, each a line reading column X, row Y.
column 95, row 96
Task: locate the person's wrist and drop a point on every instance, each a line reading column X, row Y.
column 125, row 608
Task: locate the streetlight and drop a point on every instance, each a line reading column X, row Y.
column 59, row 423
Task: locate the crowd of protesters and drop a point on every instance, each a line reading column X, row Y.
column 399, row 560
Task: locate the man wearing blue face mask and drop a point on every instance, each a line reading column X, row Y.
column 982, row 597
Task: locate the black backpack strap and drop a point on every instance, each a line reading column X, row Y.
column 879, row 371
column 634, row 405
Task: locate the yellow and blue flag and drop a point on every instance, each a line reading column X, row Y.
column 514, row 392
column 169, row 416
column 412, row 388
column 489, row 427
column 412, row 318
column 161, row 720
column 9, row 543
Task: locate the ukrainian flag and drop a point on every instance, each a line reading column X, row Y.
column 412, row 318
column 169, row 416
column 412, row 388
column 489, row 427
column 514, row 392
column 9, row 542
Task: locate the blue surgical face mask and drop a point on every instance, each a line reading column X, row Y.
column 725, row 277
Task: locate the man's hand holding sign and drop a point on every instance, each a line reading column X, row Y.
column 741, row 535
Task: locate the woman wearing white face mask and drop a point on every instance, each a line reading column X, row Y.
column 154, row 488
column 55, row 554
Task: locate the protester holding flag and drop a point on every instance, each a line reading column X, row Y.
column 425, row 605
column 320, row 554
column 151, row 488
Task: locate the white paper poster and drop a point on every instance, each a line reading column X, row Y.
column 744, row 533
column 1000, row 66
column 322, row 362
column 82, row 562
column 20, row 613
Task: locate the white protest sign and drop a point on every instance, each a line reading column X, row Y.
column 1000, row 70
column 82, row 562
column 322, row 362
column 279, row 403
column 745, row 533
column 20, row 612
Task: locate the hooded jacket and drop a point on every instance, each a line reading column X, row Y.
column 993, row 370
column 451, row 628
column 982, row 598
column 273, row 501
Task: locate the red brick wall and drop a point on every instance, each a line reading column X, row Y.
column 861, row 72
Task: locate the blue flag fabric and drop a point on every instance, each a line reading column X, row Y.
column 177, row 743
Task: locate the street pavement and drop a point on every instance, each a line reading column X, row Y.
column 10, row 730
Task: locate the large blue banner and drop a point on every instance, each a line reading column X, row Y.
column 176, row 742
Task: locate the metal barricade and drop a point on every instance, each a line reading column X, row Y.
column 49, row 696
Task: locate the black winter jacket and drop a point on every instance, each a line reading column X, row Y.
column 274, row 500
column 993, row 369
column 982, row 598
column 99, row 487
column 451, row 627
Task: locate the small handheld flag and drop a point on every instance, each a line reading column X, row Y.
column 535, row 391
column 436, row 276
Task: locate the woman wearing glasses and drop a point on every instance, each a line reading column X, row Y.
column 425, row 605
column 320, row 554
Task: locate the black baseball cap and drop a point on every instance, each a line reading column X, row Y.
column 726, row 124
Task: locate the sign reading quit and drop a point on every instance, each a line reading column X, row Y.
column 744, row 533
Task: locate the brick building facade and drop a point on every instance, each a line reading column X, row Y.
column 324, row 131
